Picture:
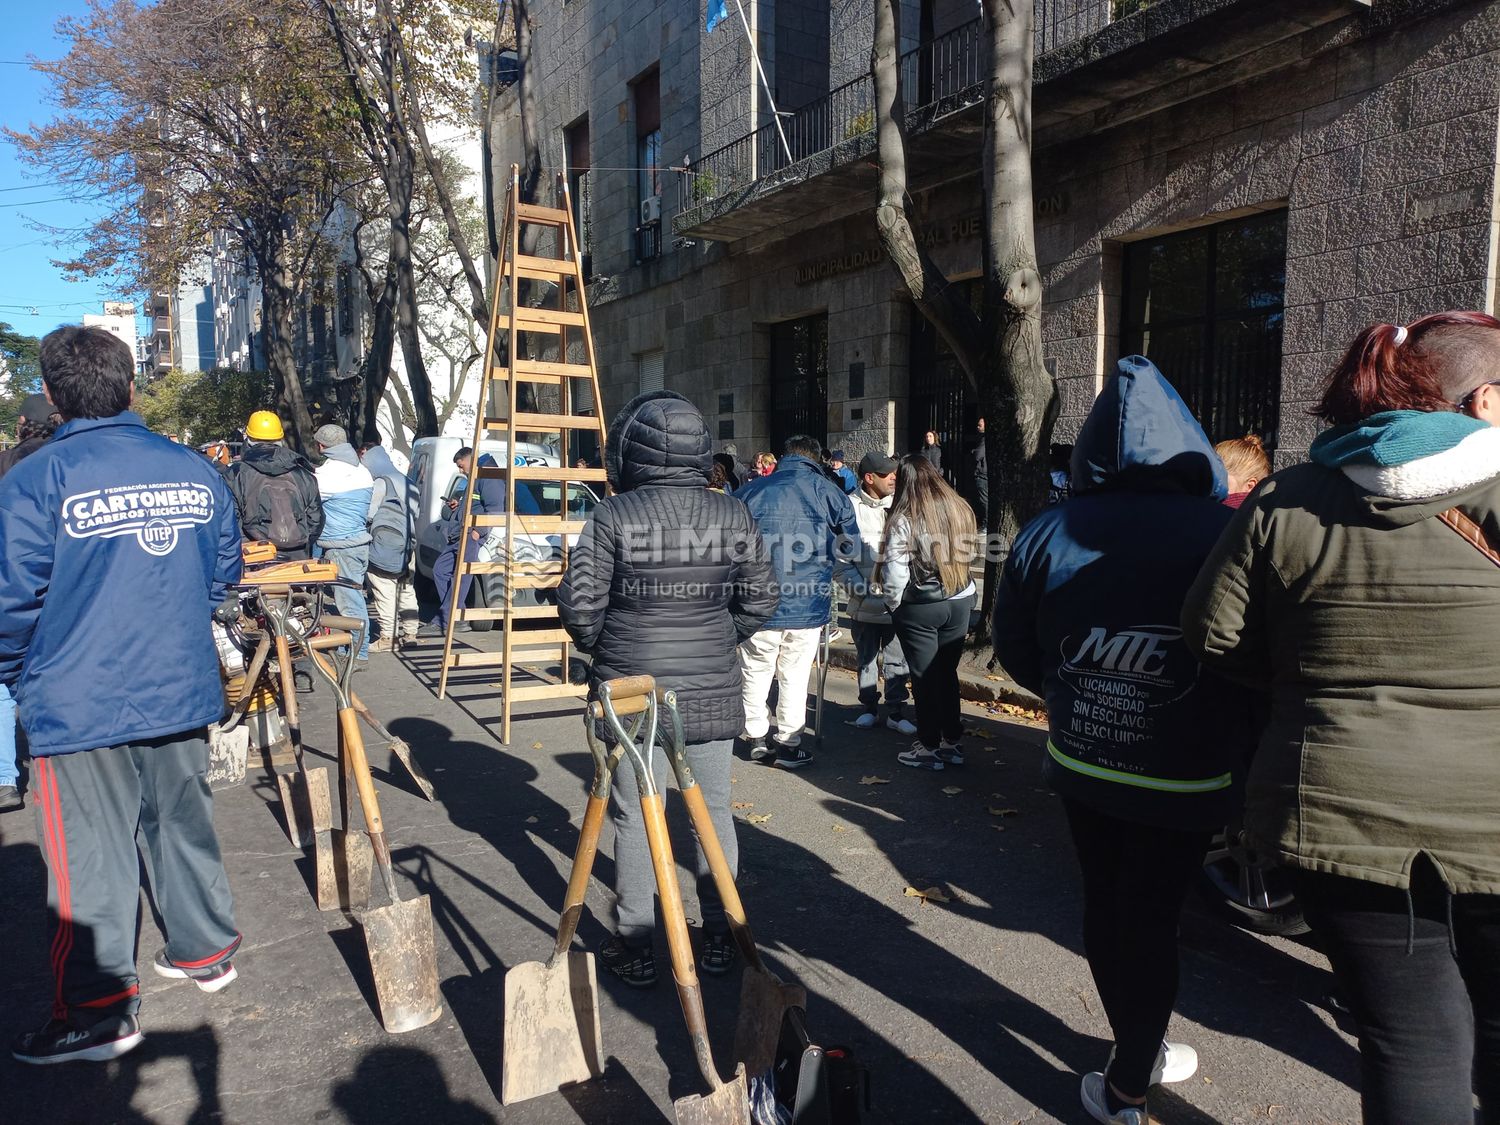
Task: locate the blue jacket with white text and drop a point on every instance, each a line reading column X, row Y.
column 115, row 546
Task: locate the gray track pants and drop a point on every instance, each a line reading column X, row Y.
column 635, row 881
column 90, row 806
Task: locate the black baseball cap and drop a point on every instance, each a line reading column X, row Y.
column 881, row 464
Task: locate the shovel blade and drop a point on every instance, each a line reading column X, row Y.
column 353, row 860
column 551, row 1027
column 764, row 999
column 294, row 807
column 727, row 1105
column 403, row 962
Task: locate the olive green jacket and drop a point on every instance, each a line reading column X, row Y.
column 1376, row 630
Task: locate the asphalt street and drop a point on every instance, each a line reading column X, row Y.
column 979, row 1008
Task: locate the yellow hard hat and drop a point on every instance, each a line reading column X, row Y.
column 264, row 426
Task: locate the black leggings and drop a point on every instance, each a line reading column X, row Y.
column 1135, row 880
column 932, row 636
column 1422, row 978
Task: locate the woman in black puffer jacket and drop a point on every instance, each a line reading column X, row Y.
column 666, row 580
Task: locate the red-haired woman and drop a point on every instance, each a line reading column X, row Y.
column 1362, row 591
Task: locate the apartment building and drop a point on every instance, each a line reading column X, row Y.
column 1231, row 187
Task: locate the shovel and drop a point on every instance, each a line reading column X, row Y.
column 552, row 1036
column 726, row 1103
column 296, row 795
column 398, row 937
column 764, row 997
column 398, row 746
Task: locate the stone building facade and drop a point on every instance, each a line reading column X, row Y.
column 1233, row 187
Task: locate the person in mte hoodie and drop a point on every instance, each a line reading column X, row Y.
column 134, row 542
column 1362, row 592
column 1145, row 747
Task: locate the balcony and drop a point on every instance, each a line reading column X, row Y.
column 1096, row 62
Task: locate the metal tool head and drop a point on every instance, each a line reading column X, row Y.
column 727, row 1104
column 618, row 699
column 764, row 1002
column 552, row 1036
column 403, row 962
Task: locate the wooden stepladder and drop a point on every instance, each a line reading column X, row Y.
column 530, row 401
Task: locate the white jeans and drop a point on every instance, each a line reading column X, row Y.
column 788, row 655
column 392, row 597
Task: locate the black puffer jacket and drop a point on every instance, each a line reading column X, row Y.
column 668, row 578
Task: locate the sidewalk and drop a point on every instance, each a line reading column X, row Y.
column 978, row 1008
column 977, row 682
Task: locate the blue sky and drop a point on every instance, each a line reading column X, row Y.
column 27, row 278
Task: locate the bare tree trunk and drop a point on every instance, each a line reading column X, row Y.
column 277, row 299
column 375, row 371
column 1000, row 349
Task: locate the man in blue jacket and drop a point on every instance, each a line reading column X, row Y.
column 808, row 523
column 116, row 547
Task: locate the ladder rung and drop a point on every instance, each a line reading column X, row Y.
column 521, row 692
column 523, row 637
column 547, row 320
column 544, row 268
column 515, row 612
column 529, row 369
column 518, row 570
column 528, row 525
column 547, row 473
column 533, row 213
column 475, row 659
column 557, row 421
column 536, row 581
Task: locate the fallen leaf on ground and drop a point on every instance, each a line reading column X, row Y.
column 952, row 790
column 871, row 779
column 1001, row 812
column 927, row 894
column 742, row 804
column 531, row 820
column 839, row 828
column 758, row 818
column 536, row 745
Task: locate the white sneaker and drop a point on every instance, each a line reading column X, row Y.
column 901, row 724
column 1091, row 1093
column 866, row 720
column 1175, row 1062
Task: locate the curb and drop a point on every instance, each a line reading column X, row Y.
column 974, row 688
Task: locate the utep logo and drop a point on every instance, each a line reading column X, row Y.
column 153, row 513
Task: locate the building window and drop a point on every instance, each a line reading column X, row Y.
column 799, row 379
column 1205, row 305
column 651, row 367
column 576, row 149
column 647, row 95
column 939, row 390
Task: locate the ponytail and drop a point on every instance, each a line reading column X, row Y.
column 1381, row 371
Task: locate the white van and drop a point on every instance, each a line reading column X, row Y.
column 434, row 479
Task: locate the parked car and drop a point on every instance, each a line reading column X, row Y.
column 434, row 480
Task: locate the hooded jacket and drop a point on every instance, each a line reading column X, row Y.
column 1088, row 608
column 858, row 574
column 349, row 495
column 115, row 546
column 667, row 577
column 808, row 524
column 272, row 459
column 1371, row 625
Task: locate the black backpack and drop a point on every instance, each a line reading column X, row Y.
column 280, row 499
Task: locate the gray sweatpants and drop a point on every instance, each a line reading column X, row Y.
column 635, row 881
column 90, row 806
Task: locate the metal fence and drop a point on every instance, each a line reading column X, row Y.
column 934, row 71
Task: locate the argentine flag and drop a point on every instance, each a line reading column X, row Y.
column 716, row 14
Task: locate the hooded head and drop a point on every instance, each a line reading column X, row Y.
column 1140, row 437
column 658, row 438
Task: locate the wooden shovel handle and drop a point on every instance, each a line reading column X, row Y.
column 578, row 878
column 359, row 766
column 627, row 687
column 729, row 894
column 288, row 694
column 684, row 972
